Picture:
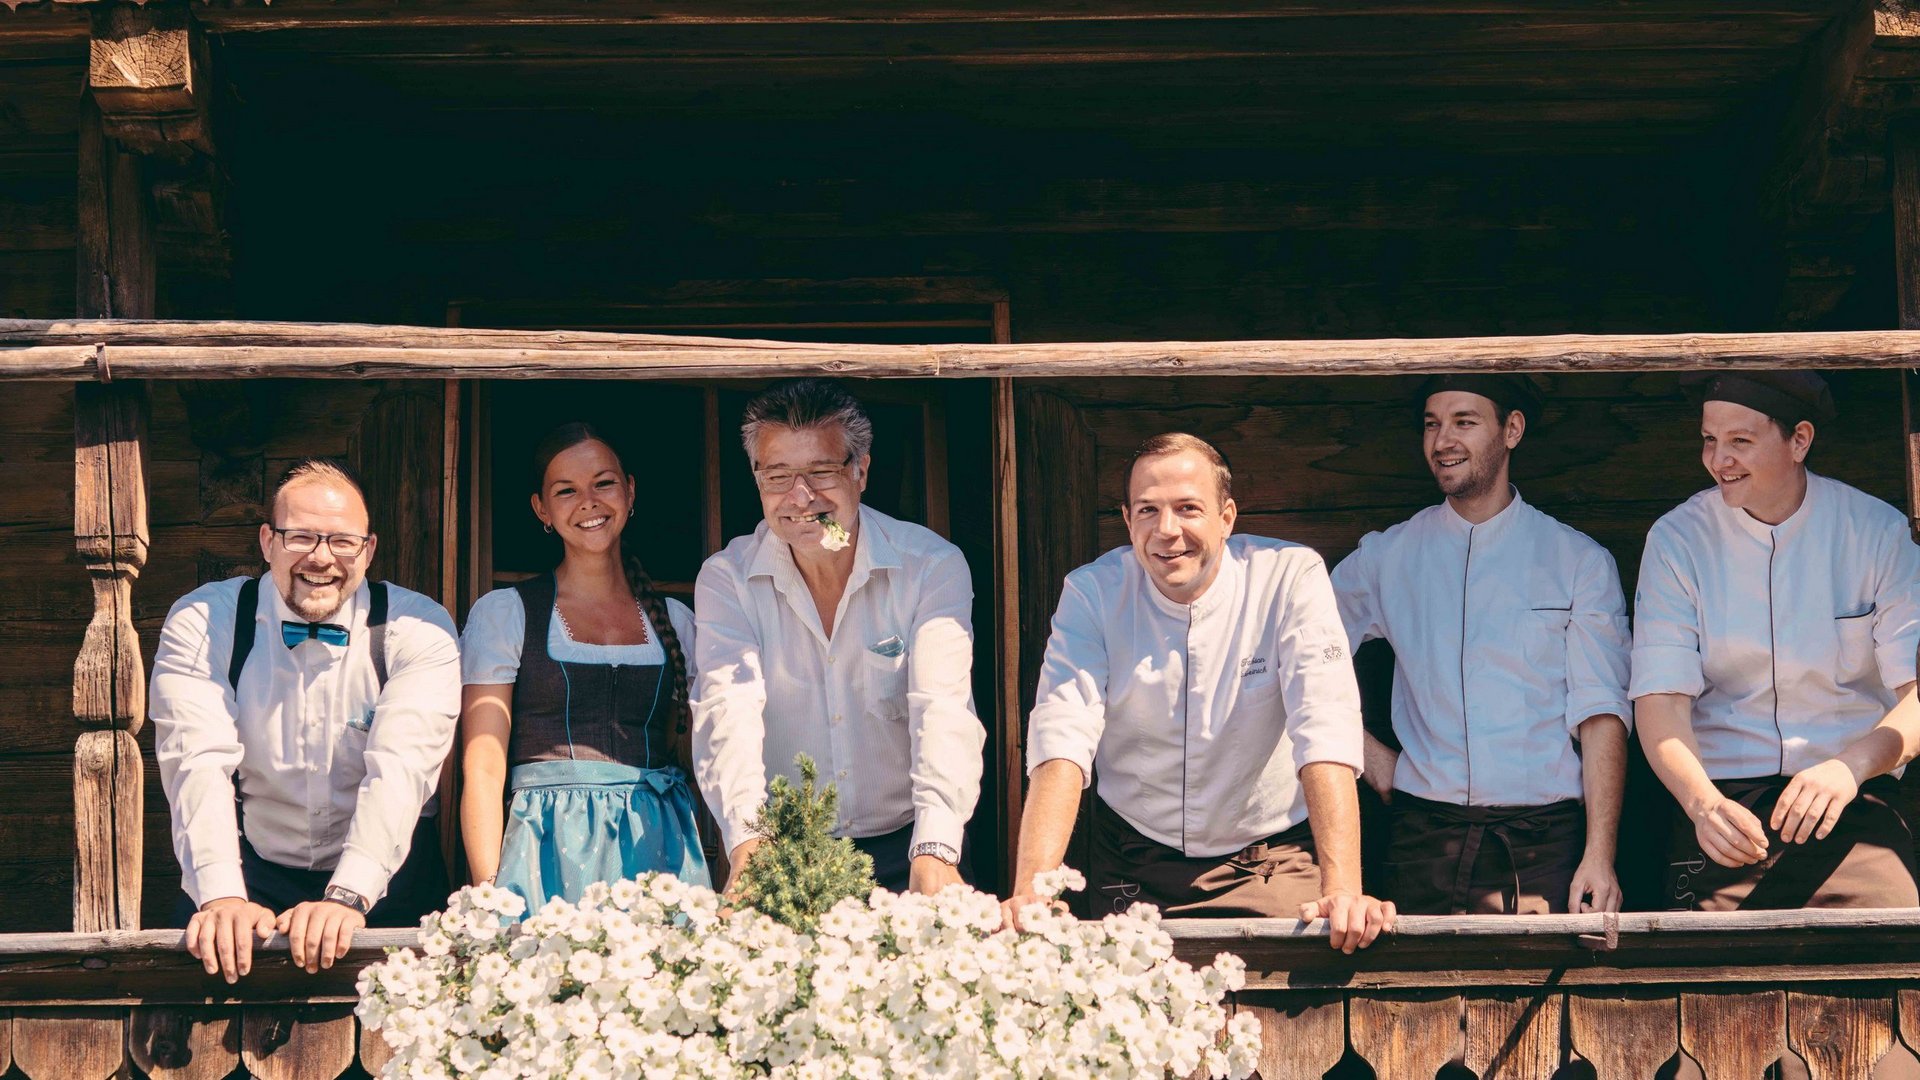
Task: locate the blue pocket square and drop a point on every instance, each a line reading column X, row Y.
column 892, row 646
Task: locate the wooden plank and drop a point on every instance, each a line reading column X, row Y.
column 713, row 534
column 185, row 1044
column 298, row 1042
column 73, row 1044
column 374, row 1051
column 43, row 350
column 1405, row 1034
column 1008, row 708
column 108, row 789
column 450, row 435
column 1841, row 1032
column 1625, row 1033
column 1733, row 1034
column 1301, row 1035
column 1514, row 1034
column 394, row 447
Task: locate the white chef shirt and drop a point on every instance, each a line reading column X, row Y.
column 1506, row 635
column 1197, row 718
column 1790, row 638
column 332, row 771
column 884, row 708
column 497, row 630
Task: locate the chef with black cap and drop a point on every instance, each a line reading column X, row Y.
column 1509, row 633
column 1775, row 626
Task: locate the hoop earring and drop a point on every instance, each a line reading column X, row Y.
column 548, row 526
column 630, row 510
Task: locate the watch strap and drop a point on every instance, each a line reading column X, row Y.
column 340, row 894
column 943, row 852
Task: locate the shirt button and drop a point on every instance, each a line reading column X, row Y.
column 829, row 659
column 836, row 718
column 843, row 774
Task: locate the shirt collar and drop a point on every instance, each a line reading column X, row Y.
column 1760, row 530
column 873, row 550
column 1218, row 594
column 1494, row 525
column 276, row 609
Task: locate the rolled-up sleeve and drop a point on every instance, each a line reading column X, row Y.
column 1896, row 613
column 411, row 735
column 1666, row 625
column 1070, row 706
column 946, row 735
column 1315, row 668
column 196, row 740
column 1598, row 645
column 729, row 702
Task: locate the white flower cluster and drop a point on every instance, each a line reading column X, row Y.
column 647, row 980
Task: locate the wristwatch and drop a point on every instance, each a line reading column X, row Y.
column 340, row 894
column 943, row 852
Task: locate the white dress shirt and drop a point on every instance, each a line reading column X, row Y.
column 884, row 707
column 497, row 630
column 1197, row 718
column 1790, row 638
column 332, row 771
column 1506, row 635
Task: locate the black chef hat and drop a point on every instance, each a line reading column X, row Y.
column 1507, row 391
column 1787, row 396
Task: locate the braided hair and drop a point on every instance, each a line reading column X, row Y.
column 572, row 434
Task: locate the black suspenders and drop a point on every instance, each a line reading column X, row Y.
column 243, row 628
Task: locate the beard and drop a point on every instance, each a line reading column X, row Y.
column 1477, row 480
column 313, row 608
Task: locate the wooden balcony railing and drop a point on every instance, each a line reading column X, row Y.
column 1503, row 997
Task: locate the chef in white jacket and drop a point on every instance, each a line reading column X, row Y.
column 1204, row 679
column 1775, row 627
column 1509, row 634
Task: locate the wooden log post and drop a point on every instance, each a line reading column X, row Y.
column 115, row 260
column 1905, row 153
column 147, row 71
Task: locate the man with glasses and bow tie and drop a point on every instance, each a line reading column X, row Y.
column 300, row 722
column 844, row 634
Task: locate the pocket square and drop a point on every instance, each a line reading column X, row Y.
column 892, row 646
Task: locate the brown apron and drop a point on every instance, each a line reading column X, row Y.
column 1269, row 879
column 1866, row 862
column 1483, row 860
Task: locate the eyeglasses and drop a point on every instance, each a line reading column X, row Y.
column 299, row 541
column 818, row 478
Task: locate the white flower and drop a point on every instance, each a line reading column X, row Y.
column 835, row 535
column 644, row 979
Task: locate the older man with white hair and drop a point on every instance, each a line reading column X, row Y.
column 836, row 631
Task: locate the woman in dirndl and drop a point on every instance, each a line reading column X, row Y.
column 573, row 717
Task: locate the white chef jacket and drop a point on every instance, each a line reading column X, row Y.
column 332, row 771
column 1506, row 635
column 1197, row 718
column 884, row 707
column 1790, row 638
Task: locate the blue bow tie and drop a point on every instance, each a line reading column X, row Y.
column 293, row 633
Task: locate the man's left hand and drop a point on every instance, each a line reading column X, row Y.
column 928, row 875
column 1595, row 888
column 1353, row 919
column 321, row 932
column 1810, row 806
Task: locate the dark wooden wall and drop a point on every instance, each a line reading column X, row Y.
column 205, row 507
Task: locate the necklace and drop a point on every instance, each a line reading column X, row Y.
column 646, row 633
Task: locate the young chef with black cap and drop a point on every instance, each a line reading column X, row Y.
column 1775, row 625
column 1510, row 640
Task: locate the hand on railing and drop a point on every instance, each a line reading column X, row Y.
column 1354, row 920
column 220, row 935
